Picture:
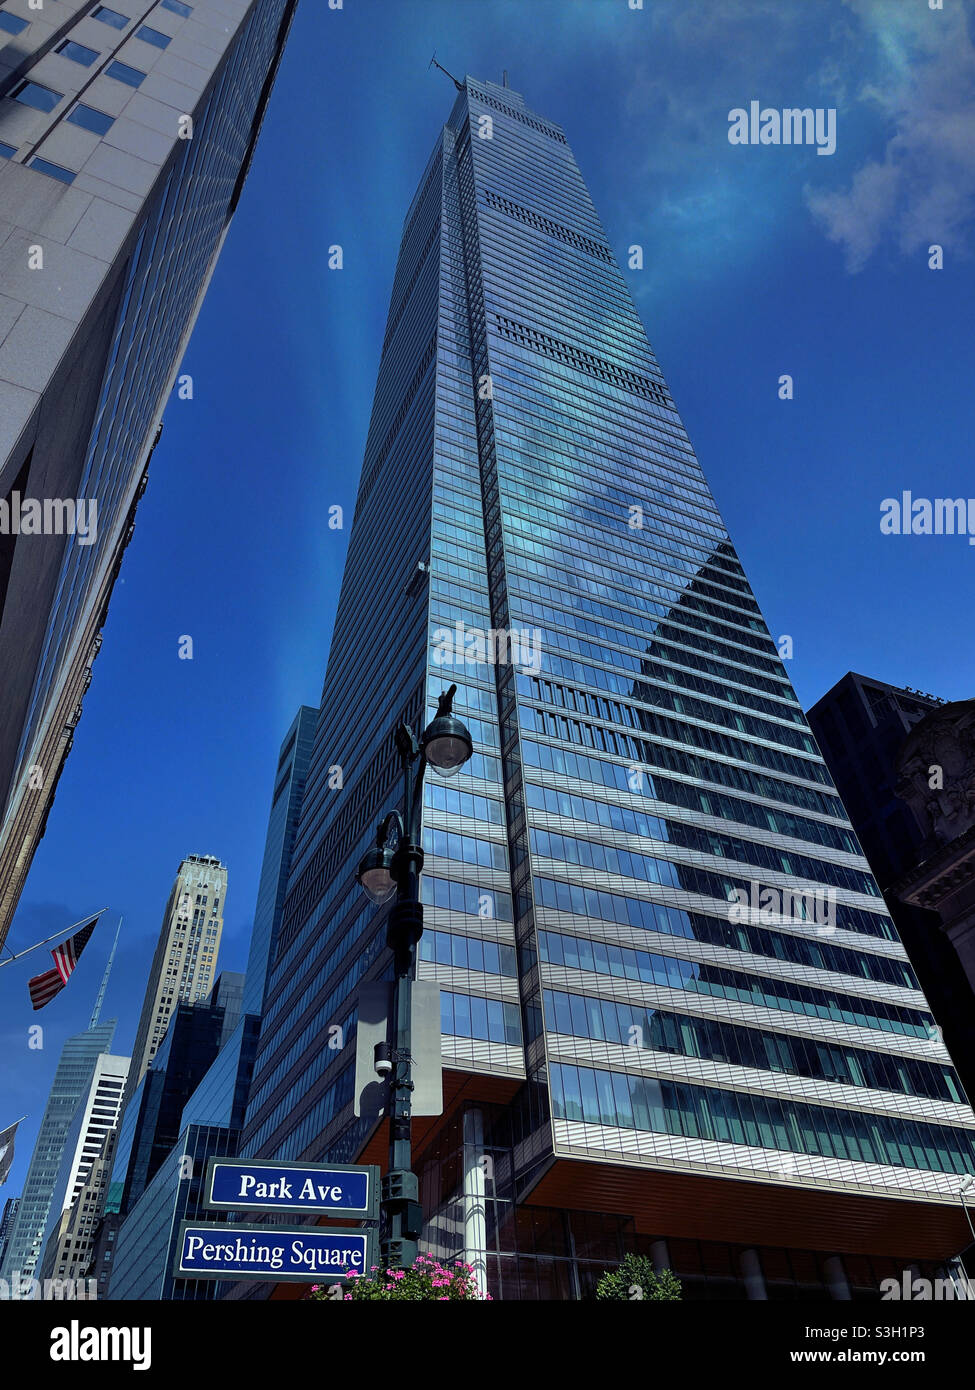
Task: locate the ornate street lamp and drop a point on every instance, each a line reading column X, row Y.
column 394, row 865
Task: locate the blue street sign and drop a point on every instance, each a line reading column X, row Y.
column 306, row 1254
column 346, row 1190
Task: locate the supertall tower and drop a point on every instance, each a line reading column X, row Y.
column 126, row 134
column 184, row 964
column 676, row 1016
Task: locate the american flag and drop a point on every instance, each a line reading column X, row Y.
column 44, row 987
column 7, row 1149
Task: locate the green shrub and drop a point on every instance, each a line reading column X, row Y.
column 636, row 1280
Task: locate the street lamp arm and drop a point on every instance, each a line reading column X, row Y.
column 385, row 826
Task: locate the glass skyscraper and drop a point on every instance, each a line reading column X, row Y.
column 72, row 1079
column 676, row 1016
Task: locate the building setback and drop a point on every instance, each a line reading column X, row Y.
column 632, row 1060
column 126, row 133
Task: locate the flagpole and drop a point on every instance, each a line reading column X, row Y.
column 63, row 932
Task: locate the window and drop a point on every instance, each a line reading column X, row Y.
column 77, row 52
column 112, row 17
column 11, row 23
column 177, row 7
column 7, row 151
column 33, row 94
column 153, row 36
column 55, row 170
column 123, row 73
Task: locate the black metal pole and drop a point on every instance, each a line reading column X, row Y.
column 401, row 1213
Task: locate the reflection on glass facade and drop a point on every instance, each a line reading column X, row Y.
column 142, row 1262
column 289, row 784
column 642, row 763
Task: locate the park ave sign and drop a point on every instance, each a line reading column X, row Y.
column 342, row 1189
column 219, row 1250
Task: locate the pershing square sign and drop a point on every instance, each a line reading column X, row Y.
column 209, row 1251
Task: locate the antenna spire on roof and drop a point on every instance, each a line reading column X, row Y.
column 104, row 985
column 434, row 64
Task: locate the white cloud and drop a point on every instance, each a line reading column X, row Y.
column 922, row 190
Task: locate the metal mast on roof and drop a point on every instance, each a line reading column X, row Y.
column 434, row 64
column 104, row 985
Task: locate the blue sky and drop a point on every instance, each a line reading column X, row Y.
column 758, row 261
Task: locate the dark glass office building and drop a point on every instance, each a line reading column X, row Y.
column 676, row 1016
column 861, row 725
column 153, row 1114
column 126, row 134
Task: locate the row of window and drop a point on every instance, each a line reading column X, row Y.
column 637, row 776
column 570, row 849
column 663, row 696
column 488, row 854
column 472, row 1016
column 662, row 727
column 693, row 798
column 734, row 1117
column 88, row 117
column 119, row 21
column 819, row 952
column 630, row 1025
column 468, row 953
column 630, row 821
column 465, row 897
column 457, row 803
column 41, row 98
column 759, row 991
